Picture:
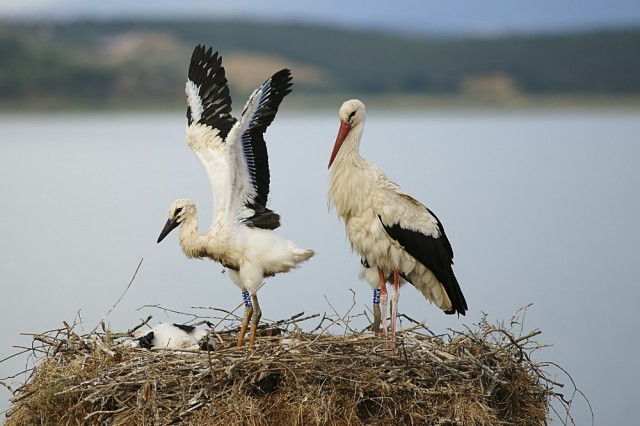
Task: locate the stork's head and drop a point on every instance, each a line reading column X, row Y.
column 351, row 114
column 180, row 210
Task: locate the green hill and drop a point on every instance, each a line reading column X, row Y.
column 144, row 63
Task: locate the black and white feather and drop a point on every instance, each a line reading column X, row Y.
column 209, row 105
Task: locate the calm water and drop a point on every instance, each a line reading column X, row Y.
column 541, row 207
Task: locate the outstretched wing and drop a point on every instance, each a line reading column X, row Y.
column 252, row 160
column 209, row 122
column 208, row 100
column 421, row 234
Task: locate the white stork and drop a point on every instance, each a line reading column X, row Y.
column 234, row 154
column 389, row 229
column 174, row 336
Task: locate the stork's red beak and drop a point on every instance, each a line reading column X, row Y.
column 342, row 134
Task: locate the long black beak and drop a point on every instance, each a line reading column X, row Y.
column 168, row 227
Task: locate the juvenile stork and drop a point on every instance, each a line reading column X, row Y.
column 234, row 154
column 175, row 336
column 390, row 230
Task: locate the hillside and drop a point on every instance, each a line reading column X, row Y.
column 144, row 63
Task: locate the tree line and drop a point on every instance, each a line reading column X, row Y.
column 75, row 61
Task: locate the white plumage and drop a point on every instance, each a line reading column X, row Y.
column 174, row 336
column 392, row 232
column 234, row 154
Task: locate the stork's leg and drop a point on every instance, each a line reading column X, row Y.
column 248, row 312
column 394, row 305
column 376, row 312
column 255, row 318
column 383, row 302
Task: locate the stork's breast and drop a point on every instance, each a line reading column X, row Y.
column 368, row 238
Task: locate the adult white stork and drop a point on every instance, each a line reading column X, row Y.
column 389, row 229
column 234, row 154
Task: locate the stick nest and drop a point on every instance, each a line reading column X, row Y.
column 484, row 376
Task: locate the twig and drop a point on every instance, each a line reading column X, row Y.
column 120, row 298
column 24, row 350
column 106, row 350
column 88, row 416
column 131, row 332
column 292, row 319
column 211, row 308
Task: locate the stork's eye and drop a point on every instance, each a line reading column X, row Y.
column 178, row 210
column 351, row 115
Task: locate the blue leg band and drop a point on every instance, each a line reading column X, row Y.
column 376, row 296
column 247, row 299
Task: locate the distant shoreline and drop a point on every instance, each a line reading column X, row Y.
column 308, row 102
column 142, row 65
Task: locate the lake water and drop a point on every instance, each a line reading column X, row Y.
column 541, row 207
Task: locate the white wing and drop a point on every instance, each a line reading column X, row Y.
column 396, row 207
column 233, row 152
column 209, row 121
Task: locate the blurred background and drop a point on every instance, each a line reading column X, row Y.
column 131, row 54
column 517, row 123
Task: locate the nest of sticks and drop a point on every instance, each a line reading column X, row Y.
column 480, row 376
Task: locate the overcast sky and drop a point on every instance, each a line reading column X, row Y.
column 470, row 16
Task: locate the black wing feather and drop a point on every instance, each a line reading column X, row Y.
column 146, row 341
column 184, row 327
column 435, row 254
column 255, row 148
column 206, row 72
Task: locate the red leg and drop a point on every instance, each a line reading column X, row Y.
column 383, row 302
column 394, row 305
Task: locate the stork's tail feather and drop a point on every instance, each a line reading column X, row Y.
column 265, row 219
column 458, row 302
column 302, row 255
